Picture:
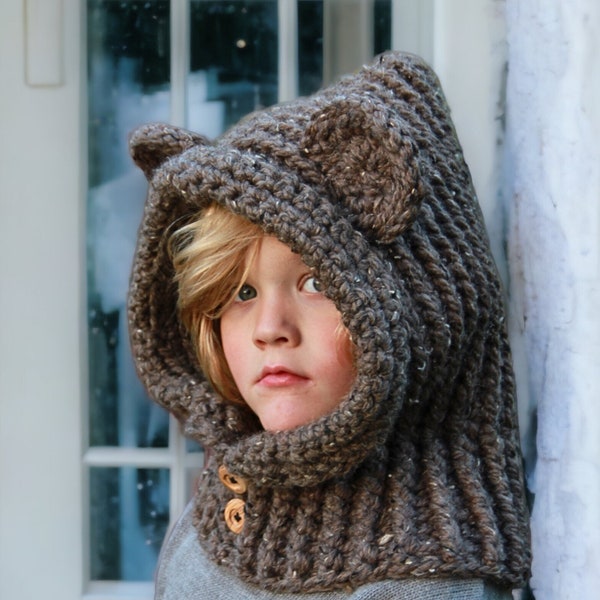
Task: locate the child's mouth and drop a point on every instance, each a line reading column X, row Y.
column 280, row 377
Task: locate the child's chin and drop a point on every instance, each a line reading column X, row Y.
column 282, row 418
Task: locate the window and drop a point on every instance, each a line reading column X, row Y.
column 202, row 64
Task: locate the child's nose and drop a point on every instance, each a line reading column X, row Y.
column 276, row 323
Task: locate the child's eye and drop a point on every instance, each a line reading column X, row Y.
column 312, row 285
column 247, row 292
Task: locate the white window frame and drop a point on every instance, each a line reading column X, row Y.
column 43, row 391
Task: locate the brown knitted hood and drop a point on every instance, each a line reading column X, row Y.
column 418, row 471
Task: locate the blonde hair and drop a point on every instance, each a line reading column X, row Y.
column 211, row 257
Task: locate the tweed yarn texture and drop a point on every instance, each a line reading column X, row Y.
column 418, row 472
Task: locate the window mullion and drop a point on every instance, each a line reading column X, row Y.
column 177, row 490
column 180, row 49
column 287, row 11
column 180, row 67
column 119, row 456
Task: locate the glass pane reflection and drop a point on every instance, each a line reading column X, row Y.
column 310, row 46
column 129, row 516
column 128, row 83
column 233, row 61
column 382, row 26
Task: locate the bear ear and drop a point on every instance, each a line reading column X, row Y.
column 151, row 145
column 363, row 149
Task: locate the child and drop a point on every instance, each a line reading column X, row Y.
column 314, row 298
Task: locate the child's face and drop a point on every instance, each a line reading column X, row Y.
column 282, row 341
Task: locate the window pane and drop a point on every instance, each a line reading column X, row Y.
column 233, row 61
column 382, row 26
column 310, row 46
column 128, row 83
column 129, row 515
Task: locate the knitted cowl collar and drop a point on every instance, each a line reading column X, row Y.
column 418, row 471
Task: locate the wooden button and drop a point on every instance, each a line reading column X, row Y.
column 233, row 482
column 235, row 514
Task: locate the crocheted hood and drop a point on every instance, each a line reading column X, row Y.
column 418, row 471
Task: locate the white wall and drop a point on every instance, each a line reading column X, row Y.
column 552, row 184
column 40, row 291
